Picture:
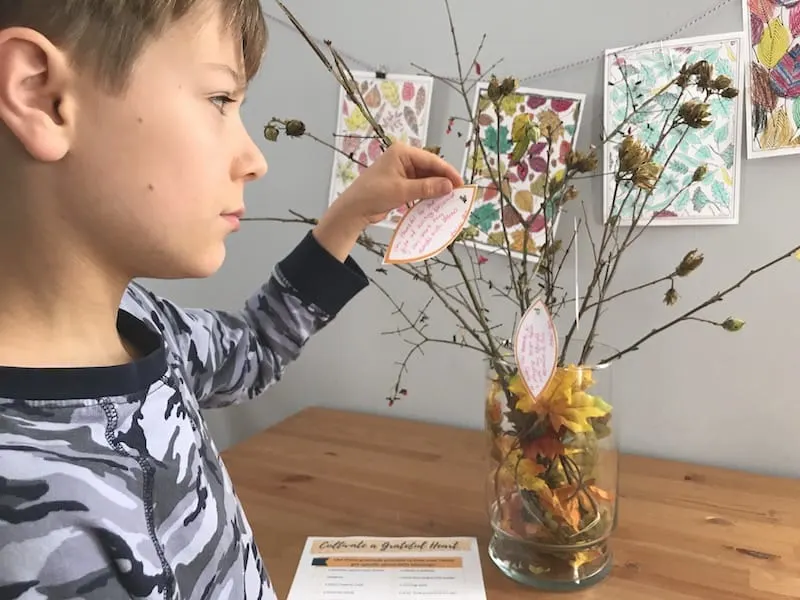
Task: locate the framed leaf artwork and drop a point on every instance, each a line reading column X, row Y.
column 644, row 72
column 497, row 226
column 772, row 93
column 400, row 105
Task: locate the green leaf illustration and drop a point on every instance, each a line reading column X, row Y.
column 484, row 217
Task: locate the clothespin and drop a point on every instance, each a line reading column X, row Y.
column 381, row 72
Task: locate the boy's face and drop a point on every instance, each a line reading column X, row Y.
column 150, row 177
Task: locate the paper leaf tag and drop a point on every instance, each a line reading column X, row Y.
column 536, row 348
column 430, row 226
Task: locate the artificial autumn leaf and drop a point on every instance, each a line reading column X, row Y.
column 584, row 557
column 775, row 42
column 527, row 474
column 563, row 504
column 563, row 401
column 547, row 445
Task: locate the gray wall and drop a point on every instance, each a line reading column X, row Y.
column 694, row 392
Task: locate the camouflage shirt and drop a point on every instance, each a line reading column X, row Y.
column 110, row 485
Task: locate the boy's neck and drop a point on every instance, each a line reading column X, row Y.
column 57, row 311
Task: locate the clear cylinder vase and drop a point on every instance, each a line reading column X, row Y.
column 552, row 482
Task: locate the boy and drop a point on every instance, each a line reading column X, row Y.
column 124, row 156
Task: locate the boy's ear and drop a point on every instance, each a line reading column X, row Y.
column 36, row 102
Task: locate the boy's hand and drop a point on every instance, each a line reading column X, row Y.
column 401, row 175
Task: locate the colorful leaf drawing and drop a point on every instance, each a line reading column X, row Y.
column 484, row 216
column 785, row 76
column 517, row 150
column 420, row 103
column 356, row 121
column 677, row 197
column 794, row 20
column 508, row 105
column 778, row 132
column 774, row 43
column 390, row 92
column 400, row 104
column 561, row 104
column 411, row 119
column 497, row 141
column 372, row 98
column 756, row 29
column 761, row 93
column 523, row 200
column 763, row 10
column 408, row 91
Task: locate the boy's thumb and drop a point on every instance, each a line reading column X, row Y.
column 429, row 187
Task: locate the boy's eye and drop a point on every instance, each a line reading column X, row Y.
column 221, row 101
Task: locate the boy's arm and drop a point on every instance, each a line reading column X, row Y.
column 233, row 356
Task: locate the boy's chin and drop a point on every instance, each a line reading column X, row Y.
column 198, row 266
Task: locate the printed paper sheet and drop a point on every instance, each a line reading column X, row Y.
column 400, row 105
column 637, row 73
column 368, row 568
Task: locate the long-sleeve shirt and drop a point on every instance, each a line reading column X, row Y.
column 110, row 484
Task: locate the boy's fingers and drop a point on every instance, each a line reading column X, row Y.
column 429, row 187
column 421, row 163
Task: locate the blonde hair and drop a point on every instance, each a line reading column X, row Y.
column 107, row 36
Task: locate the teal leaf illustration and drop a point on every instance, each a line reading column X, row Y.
column 678, row 166
column 703, row 153
column 570, row 129
column 680, row 202
column 495, row 142
column 721, row 134
column 721, row 194
column 796, row 112
column 699, row 200
column 727, row 156
column 484, row 217
column 667, row 100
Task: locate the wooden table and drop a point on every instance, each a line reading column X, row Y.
column 685, row 531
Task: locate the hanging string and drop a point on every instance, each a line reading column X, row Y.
column 567, row 67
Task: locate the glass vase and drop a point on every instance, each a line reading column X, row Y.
column 552, row 482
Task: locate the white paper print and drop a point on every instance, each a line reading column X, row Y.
column 536, row 348
column 430, row 226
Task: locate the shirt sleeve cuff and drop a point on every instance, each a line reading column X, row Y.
column 319, row 278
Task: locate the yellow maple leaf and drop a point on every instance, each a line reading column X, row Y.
column 564, row 400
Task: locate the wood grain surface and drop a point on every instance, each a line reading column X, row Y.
column 685, row 531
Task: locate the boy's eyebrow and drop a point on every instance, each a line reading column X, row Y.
column 237, row 77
